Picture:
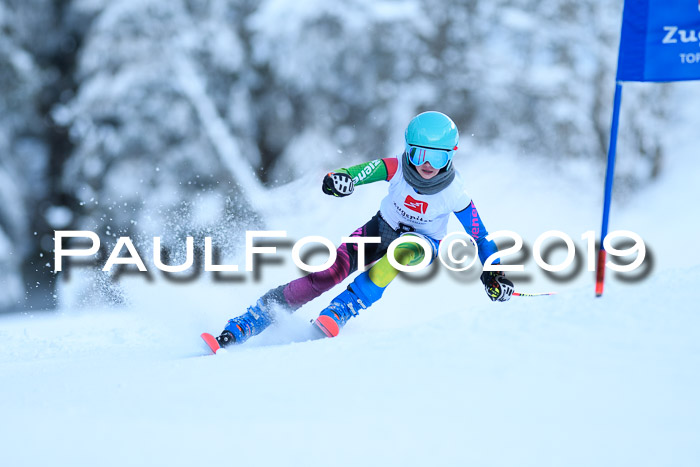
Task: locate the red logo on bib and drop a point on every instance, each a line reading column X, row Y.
column 415, row 205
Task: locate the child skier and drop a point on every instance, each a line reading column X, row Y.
column 424, row 188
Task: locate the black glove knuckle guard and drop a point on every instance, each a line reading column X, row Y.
column 338, row 184
column 497, row 287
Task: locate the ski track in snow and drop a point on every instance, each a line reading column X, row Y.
column 569, row 381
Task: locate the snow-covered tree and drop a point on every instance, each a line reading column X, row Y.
column 145, row 117
column 533, row 77
column 160, row 139
column 23, row 155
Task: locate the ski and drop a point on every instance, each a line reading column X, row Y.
column 326, row 325
column 211, row 342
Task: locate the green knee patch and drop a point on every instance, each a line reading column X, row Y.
column 409, row 253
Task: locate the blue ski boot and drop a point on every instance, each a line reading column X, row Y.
column 249, row 324
column 359, row 295
column 341, row 309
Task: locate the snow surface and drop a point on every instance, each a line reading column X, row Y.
column 434, row 374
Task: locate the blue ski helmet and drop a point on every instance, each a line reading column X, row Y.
column 431, row 137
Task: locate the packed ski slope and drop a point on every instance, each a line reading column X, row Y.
column 566, row 381
column 434, row 374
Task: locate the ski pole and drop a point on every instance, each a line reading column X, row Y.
column 538, row 294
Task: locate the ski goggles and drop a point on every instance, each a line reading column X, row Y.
column 438, row 158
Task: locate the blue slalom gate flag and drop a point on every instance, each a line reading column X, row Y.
column 660, row 41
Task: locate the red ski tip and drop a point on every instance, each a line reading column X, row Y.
column 211, row 341
column 327, row 325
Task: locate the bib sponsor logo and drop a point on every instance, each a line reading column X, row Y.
column 415, row 205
